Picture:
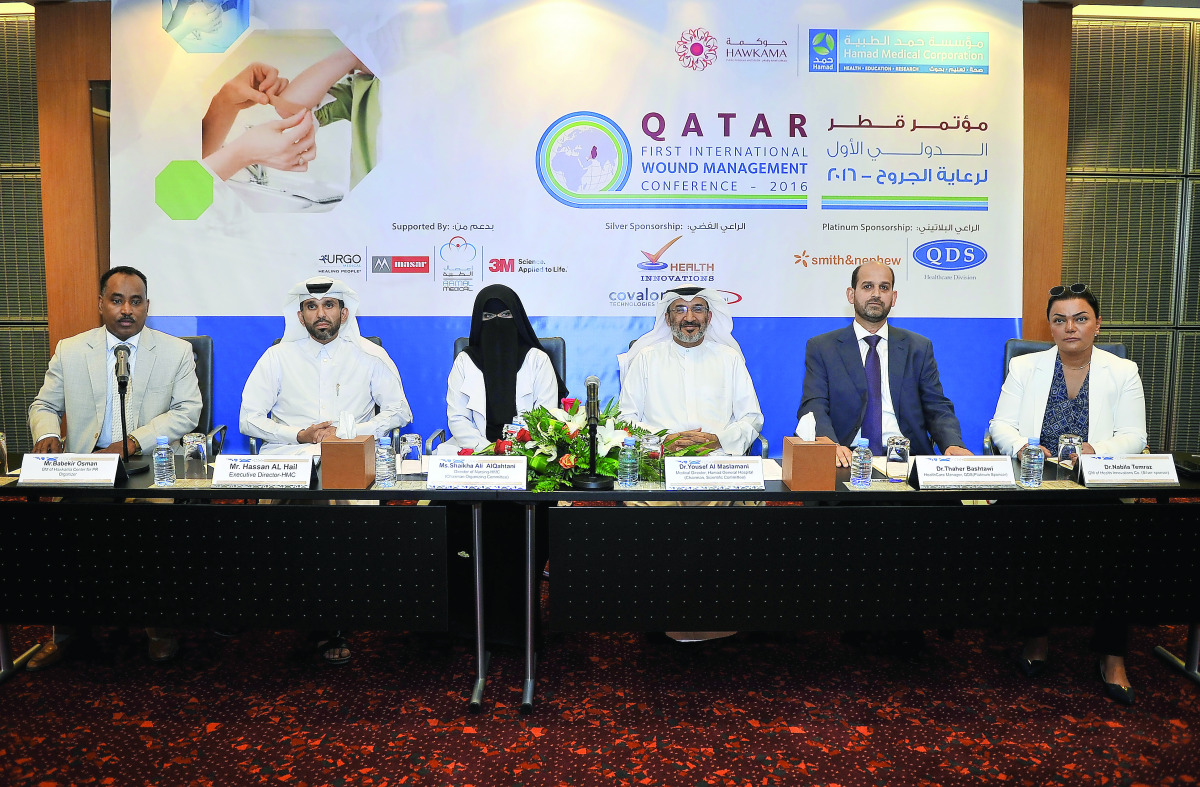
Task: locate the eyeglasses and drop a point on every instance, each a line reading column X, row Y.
column 1074, row 289
column 682, row 310
column 504, row 315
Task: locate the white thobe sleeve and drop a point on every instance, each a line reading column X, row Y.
column 258, row 397
column 747, row 422
column 388, row 393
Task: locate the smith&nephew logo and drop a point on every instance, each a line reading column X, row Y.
column 822, row 49
column 696, row 48
column 814, row 259
column 399, row 264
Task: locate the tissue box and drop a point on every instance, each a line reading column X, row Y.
column 809, row 465
column 348, row 464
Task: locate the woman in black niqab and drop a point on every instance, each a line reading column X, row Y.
column 498, row 347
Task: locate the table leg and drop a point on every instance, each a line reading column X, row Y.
column 530, row 606
column 1189, row 667
column 8, row 665
column 482, row 657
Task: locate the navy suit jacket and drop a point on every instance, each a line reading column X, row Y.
column 835, row 389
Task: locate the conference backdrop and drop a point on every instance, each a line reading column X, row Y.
column 588, row 154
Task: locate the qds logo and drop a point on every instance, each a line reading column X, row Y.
column 950, row 254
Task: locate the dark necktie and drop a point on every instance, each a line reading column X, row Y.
column 872, row 427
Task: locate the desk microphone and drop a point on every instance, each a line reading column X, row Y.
column 122, row 353
column 593, row 398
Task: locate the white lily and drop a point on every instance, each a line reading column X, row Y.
column 573, row 422
column 609, row 437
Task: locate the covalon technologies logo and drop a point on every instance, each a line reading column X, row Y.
column 696, row 48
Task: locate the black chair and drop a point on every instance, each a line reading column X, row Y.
column 555, row 347
column 202, row 352
column 762, row 440
column 254, row 441
column 1015, row 347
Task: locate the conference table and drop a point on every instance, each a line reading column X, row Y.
column 890, row 557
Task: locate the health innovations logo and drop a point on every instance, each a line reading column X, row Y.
column 694, row 273
column 696, row 49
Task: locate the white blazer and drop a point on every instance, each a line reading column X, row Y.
column 1116, row 403
column 466, row 398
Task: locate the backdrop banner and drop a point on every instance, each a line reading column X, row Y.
column 590, row 155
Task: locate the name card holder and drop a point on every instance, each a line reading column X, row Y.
column 267, row 472
column 98, row 470
column 963, row 472
column 1130, row 470
column 713, row 472
column 477, row 472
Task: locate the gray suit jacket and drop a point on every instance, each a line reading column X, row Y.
column 163, row 391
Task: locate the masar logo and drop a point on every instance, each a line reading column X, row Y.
column 950, row 254
column 696, row 48
column 399, row 264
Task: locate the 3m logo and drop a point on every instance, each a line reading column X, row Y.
column 500, row 265
column 384, row 264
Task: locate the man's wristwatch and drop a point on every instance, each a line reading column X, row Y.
column 137, row 447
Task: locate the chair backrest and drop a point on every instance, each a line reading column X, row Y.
column 555, row 347
column 1015, row 347
column 202, row 351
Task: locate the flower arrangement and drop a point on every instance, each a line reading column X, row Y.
column 555, row 443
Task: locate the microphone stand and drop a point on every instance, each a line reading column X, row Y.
column 132, row 466
column 593, row 480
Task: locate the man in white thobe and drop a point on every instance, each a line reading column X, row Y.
column 319, row 372
column 689, row 377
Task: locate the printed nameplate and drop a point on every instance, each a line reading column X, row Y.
column 714, row 472
column 1131, row 470
column 70, row 469
column 476, row 472
column 965, row 472
column 290, row 472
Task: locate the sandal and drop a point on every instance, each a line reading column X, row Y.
column 331, row 649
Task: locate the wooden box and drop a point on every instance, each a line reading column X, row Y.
column 348, row 464
column 809, row 466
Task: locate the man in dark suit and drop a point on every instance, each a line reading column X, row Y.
column 872, row 380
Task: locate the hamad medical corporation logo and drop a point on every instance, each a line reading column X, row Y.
column 696, row 48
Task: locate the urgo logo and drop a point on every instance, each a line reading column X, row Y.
column 950, row 254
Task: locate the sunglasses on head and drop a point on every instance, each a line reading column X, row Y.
column 1074, row 289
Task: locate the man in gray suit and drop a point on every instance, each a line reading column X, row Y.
column 163, row 399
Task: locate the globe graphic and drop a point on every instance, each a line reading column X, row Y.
column 583, row 159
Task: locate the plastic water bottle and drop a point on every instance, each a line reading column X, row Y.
column 385, row 464
column 627, row 463
column 860, row 464
column 1032, row 461
column 164, row 463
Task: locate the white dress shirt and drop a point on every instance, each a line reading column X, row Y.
column 466, row 398
column 891, row 426
column 300, row 383
column 668, row 386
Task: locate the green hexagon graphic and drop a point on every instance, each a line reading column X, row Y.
column 184, row 190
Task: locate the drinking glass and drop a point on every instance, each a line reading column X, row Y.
column 195, row 456
column 896, row 462
column 408, row 451
column 652, row 457
column 1069, row 448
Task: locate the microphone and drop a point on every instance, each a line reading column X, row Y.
column 593, row 397
column 122, row 353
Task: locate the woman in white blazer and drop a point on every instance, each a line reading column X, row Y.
column 1074, row 388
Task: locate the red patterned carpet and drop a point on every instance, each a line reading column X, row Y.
column 613, row 709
